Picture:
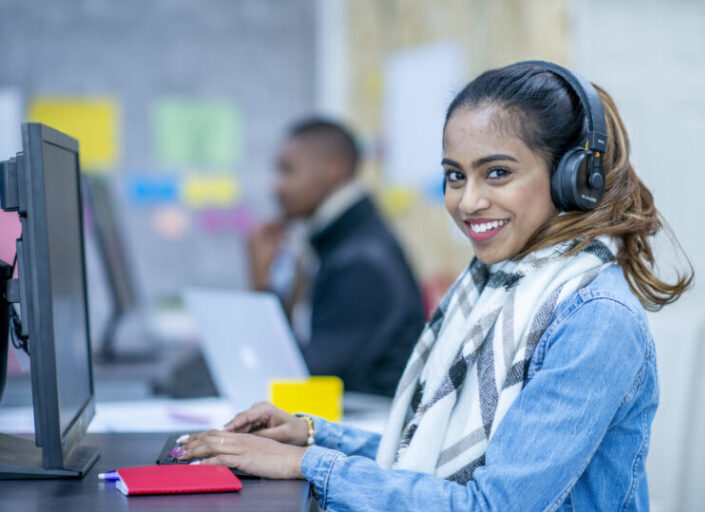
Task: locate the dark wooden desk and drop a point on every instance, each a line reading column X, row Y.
column 120, row 450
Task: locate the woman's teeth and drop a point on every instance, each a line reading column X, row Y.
column 486, row 226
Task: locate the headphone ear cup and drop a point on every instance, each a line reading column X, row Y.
column 565, row 188
column 557, row 183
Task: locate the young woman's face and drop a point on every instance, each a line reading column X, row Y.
column 498, row 189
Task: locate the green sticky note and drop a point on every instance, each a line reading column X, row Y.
column 200, row 132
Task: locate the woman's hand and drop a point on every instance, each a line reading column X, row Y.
column 246, row 452
column 265, row 420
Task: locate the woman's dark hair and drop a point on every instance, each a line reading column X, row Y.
column 545, row 113
column 541, row 110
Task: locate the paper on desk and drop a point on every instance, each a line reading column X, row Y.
column 161, row 415
column 165, row 415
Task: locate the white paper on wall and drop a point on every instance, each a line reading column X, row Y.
column 11, row 115
column 419, row 84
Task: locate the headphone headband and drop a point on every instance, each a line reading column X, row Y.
column 597, row 130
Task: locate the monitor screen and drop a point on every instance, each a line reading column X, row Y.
column 63, row 210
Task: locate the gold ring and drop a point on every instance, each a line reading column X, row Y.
column 221, row 440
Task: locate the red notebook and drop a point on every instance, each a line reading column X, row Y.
column 176, row 479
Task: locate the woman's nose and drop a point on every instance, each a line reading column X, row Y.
column 474, row 199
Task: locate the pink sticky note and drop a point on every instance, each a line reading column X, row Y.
column 10, row 230
column 238, row 220
column 171, row 222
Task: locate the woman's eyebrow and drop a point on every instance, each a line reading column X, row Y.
column 452, row 163
column 480, row 161
column 492, row 158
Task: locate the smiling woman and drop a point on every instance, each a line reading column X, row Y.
column 520, row 127
column 534, row 384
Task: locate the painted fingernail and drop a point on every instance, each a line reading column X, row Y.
column 179, row 453
column 194, row 463
column 183, row 439
column 172, row 452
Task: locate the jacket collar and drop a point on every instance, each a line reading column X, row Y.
column 341, row 227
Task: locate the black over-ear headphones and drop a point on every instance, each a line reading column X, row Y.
column 578, row 181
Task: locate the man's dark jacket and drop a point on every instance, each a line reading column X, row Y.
column 366, row 307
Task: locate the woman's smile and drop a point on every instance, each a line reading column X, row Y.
column 481, row 230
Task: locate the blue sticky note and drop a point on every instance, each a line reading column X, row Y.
column 434, row 191
column 150, row 190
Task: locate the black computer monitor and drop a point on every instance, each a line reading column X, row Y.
column 43, row 184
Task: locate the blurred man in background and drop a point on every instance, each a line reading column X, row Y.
column 351, row 297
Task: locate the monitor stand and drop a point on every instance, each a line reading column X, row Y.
column 21, row 459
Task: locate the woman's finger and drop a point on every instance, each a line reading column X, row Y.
column 205, row 438
column 241, row 422
column 212, row 445
column 186, row 438
column 244, row 421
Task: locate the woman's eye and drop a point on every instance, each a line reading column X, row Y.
column 497, row 173
column 454, row 176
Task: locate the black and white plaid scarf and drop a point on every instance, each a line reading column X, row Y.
column 470, row 362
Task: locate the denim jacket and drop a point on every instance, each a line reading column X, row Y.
column 576, row 438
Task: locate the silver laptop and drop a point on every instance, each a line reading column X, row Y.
column 246, row 341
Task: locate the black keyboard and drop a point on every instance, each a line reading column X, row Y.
column 171, row 444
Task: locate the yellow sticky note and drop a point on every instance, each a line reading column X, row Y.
column 218, row 190
column 93, row 121
column 396, row 200
column 321, row 396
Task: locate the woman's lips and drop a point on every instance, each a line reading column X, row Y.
column 476, row 236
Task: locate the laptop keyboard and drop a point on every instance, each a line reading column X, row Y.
column 170, row 446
